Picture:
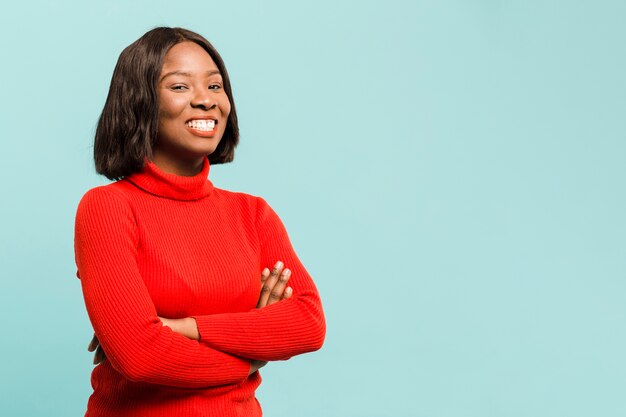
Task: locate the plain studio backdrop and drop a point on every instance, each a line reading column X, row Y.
column 451, row 173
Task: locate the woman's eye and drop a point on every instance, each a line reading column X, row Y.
column 178, row 87
column 214, row 87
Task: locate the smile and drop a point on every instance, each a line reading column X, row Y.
column 204, row 125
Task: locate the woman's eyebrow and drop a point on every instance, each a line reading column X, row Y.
column 188, row 74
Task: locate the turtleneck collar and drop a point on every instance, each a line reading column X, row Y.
column 177, row 187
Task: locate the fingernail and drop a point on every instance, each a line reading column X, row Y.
column 279, row 264
column 265, row 271
column 286, row 272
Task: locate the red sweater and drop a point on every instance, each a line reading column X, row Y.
column 157, row 244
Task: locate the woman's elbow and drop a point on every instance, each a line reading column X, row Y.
column 315, row 333
column 317, row 324
column 319, row 335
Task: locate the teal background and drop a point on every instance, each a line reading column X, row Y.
column 450, row 172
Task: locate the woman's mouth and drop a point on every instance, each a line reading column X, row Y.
column 202, row 127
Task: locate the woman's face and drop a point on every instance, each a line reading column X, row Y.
column 193, row 109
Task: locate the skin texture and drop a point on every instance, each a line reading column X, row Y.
column 190, row 87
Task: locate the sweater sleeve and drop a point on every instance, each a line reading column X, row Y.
column 283, row 329
column 121, row 310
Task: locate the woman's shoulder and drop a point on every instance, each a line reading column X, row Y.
column 106, row 208
column 238, row 197
column 252, row 203
column 105, row 195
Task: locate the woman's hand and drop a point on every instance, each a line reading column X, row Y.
column 187, row 327
column 94, row 345
column 274, row 288
column 274, row 285
column 255, row 365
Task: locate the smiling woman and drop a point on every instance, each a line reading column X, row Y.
column 175, row 272
column 129, row 125
column 193, row 109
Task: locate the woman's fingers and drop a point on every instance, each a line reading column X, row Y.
column 93, row 344
column 264, row 274
column 279, row 288
column 255, row 365
column 100, row 356
column 268, row 284
column 287, row 293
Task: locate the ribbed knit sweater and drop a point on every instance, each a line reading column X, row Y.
column 157, row 244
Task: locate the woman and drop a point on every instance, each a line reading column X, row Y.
column 170, row 265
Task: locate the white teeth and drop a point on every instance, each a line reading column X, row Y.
column 201, row 124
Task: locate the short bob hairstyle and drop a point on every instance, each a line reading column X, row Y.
column 128, row 126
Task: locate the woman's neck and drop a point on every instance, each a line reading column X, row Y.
column 182, row 167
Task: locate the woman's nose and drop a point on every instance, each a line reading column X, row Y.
column 202, row 99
